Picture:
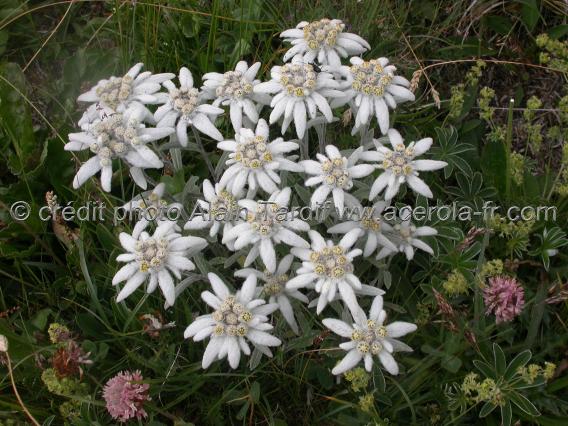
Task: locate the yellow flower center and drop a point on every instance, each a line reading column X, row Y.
column 370, row 78
column 331, row 262
column 322, row 33
column 299, row 79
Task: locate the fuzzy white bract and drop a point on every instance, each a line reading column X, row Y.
column 400, row 166
column 155, row 258
column 372, row 225
column 185, row 106
column 329, row 268
column 405, row 236
column 299, row 90
column 274, row 289
column 255, row 161
column 334, row 174
column 218, row 211
column 267, row 223
column 151, row 206
column 372, row 88
column 323, row 40
column 117, row 136
column 118, row 93
column 235, row 89
column 238, row 319
column 370, row 337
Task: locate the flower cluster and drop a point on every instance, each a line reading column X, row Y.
column 125, row 395
column 128, row 118
column 504, row 297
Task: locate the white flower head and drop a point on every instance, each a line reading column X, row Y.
column 405, row 236
column 151, row 206
column 235, row 89
column 184, row 105
column 299, row 91
column 218, row 211
column 267, row 223
column 334, row 174
column 328, row 267
column 275, row 290
column 155, row 258
column 238, row 319
column 255, row 161
column 370, row 337
column 117, row 136
column 118, row 93
column 323, row 40
column 399, row 166
column 372, row 88
column 373, row 226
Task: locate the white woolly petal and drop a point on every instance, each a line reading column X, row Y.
column 349, row 361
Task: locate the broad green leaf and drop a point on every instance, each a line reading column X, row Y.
column 506, row 414
column 487, row 409
column 485, row 369
column 494, row 165
column 499, row 359
column 524, row 404
column 519, row 361
column 529, row 13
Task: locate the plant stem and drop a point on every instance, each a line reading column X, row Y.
column 304, row 147
column 204, row 154
column 24, row 408
column 508, row 144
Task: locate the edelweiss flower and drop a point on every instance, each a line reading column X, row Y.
column 118, row 93
column 154, row 257
column 404, row 237
column 267, row 223
column 372, row 88
column 330, row 267
column 151, row 206
column 299, row 88
column 275, row 290
column 122, row 136
column 335, row 173
column 219, row 210
column 235, row 88
column 399, row 166
column 237, row 318
column 370, row 337
column 365, row 290
column 370, row 221
column 254, row 160
column 323, row 40
column 185, row 105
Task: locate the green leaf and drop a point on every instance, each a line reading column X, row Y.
column 499, row 359
column 519, row 361
column 494, row 165
column 506, row 414
column 40, row 319
column 558, row 31
column 485, row 369
column 448, row 149
column 16, row 121
column 524, row 404
column 551, row 240
column 255, row 392
column 500, row 24
column 529, row 13
column 487, row 409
